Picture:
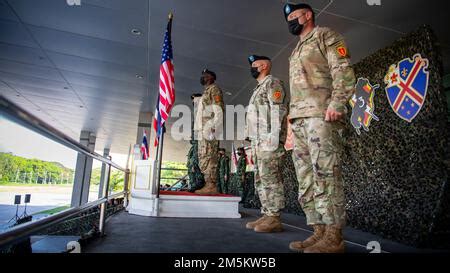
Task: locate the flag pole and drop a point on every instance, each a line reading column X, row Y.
column 159, row 158
column 159, row 149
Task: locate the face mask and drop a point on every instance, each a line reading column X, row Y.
column 255, row 73
column 295, row 28
column 202, row 81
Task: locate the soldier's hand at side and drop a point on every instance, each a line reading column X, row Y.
column 332, row 115
column 225, row 177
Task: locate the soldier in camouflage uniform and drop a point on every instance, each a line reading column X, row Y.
column 266, row 129
column 208, row 124
column 196, row 180
column 224, row 172
column 240, row 174
column 321, row 83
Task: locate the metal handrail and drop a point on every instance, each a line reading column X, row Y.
column 23, row 117
column 32, row 122
column 17, row 233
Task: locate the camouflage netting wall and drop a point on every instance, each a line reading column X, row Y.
column 396, row 174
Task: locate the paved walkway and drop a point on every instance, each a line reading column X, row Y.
column 136, row 234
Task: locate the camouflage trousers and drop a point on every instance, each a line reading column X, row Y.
column 316, row 156
column 268, row 179
column 222, row 185
column 208, row 157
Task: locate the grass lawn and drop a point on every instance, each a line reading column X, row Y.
column 52, row 211
column 33, row 184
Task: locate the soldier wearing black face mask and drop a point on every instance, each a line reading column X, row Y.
column 266, row 128
column 321, row 83
column 205, row 125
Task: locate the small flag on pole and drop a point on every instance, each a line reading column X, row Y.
column 144, row 147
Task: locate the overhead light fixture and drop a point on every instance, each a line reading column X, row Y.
column 229, row 93
column 136, row 31
column 139, row 76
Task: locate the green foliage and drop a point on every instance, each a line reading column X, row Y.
column 116, row 179
column 23, row 170
column 172, row 173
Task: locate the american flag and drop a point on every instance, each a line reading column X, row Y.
column 166, row 96
column 144, row 146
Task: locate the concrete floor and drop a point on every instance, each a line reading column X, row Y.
column 136, row 234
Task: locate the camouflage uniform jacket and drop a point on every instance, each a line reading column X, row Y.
column 241, row 167
column 268, row 100
column 212, row 96
column 224, row 166
column 320, row 75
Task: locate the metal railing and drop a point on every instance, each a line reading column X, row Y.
column 21, row 116
column 177, row 178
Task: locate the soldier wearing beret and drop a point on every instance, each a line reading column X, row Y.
column 266, row 129
column 321, row 83
column 209, row 117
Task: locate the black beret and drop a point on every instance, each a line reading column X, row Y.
column 288, row 8
column 209, row 72
column 253, row 58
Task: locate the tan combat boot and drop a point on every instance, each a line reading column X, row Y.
column 209, row 188
column 269, row 224
column 332, row 242
column 299, row 246
column 252, row 225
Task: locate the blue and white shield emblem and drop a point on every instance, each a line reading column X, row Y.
column 406, row 86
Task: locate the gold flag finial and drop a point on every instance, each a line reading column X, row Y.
column 170, row 15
